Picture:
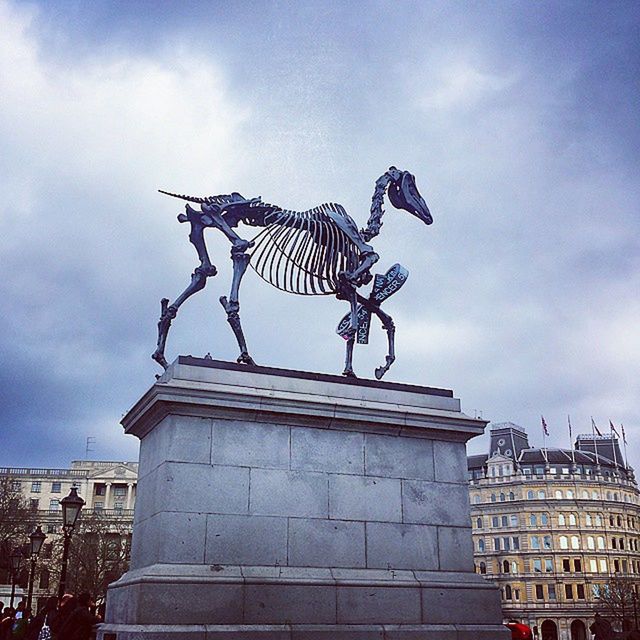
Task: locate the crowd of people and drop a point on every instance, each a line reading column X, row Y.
column 71, row 618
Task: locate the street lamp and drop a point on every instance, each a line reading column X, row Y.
column 15, row 560
column 71, row 506
column 36, row 540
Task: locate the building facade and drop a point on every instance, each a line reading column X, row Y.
column 107, row 487
column 552, row 527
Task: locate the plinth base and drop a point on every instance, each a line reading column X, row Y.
column 302, row 632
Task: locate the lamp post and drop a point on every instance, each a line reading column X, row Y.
column 71, row 506
column 36, row 540
column 15, row 560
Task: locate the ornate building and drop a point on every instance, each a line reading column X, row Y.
column 553, row 526
column 108, row 488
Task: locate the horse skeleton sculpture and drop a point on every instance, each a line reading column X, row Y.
column 315, row 252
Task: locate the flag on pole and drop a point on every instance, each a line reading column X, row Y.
column 544, row 427
column 613, row 429
column 569, row 423
column 624, row 437
column 593, row 424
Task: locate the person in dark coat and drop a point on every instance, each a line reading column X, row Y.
column 80, row 623
column 67, row 606
column 6, row 623
column 48, row 614
column 601, row 628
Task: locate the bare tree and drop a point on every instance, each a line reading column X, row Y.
column 16, row 522
column 615, row 601
column 99, row 554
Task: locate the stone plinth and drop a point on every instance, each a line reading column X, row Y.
column 281, row 504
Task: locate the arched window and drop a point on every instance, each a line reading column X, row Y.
column 481, row 545
column 575, row 542
column 616, row 497
column 541, row 495
column 619, row 521
column 505, row 566
column 514, row 566
column 588, row 520
column 594, row 495
column 479, row 523
column 569, row 494
column 598, row 521
column 558, row 494
column 585, row 495
column 476, row 499
column 530, row 495
column 572, row 520
column 507, row 592
column 493, row 497
column 544, row 518
column 564, row 542
column 591, row 543
column 483, row 567
column 608, row 495
column 561, row 520
column 512, row 496
column 533, row 520
column 601, row 544
column 502, row 497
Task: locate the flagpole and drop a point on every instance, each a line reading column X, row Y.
column 544, row 439
column 624, row 444
column 595, row 442
column 612, row 430
column 573, row 453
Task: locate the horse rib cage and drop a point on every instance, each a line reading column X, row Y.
column 303, row 252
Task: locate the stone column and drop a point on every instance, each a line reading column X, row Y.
column 129, row 494
column 283, row 504
column 107, row 495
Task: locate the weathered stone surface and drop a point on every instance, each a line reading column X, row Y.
column 250, row 444
column 246, row 540
column 327, row 451
column 450, row 460
column 471, row 606
column 364, row 498
column 455, row 549
column 326, row 543
column 435, row 503
column 337, row 632
column 286, row 603
column 381, row 605
column 401, row 546
column 399, row 457
column 288, row 493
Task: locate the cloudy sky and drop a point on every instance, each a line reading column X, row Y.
column 519, row 120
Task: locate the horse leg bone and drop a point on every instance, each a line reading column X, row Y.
column 389, row 326
column 232, row 305
column 348, row 364
column 169, row 311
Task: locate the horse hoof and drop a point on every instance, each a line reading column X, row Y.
column 380, row 371
column 245, row 358
column 348, row 373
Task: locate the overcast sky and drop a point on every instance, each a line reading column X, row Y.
column 519, row 120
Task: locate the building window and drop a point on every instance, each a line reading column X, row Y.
column 570, row 494
column 568, row 591
column 56, row 487
column 512, row 496
column 601, row 544
column 119, row 490
column 575, row 542
column 539, row 592
column 496, row 544
column 505, row 521
column 548, row 565
column 34, row 504
column 516, row 542
column 552, row 591
column 589, row 520
column 603, row 565
column 16, row 485
column 591, row 543
column 100, row 489
column 535, row 542
column 544, row 518
column 593, row 566
column 558, row 494
column 572, row 520
column 598, row 521
column 533, row 520
column 566, row 565
column 530, row 495
column 98, row 506
column 537, row 565
column 118, row 506
column 507, row 592
column 541, row 495
column 493, row 497
column 483, row 567
column 616, row 566
column 476, row 499
column 54, row 504
column 495, row 522
column 36, row 486
column 577, row 565
column 479, row 523
column 580, row 591
column 561, row 520
column 614, row 544
column 502, row 497
column 514, row 566
column 594, row 495
column 51, row 528
column 505, row 566
column 564, row 542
